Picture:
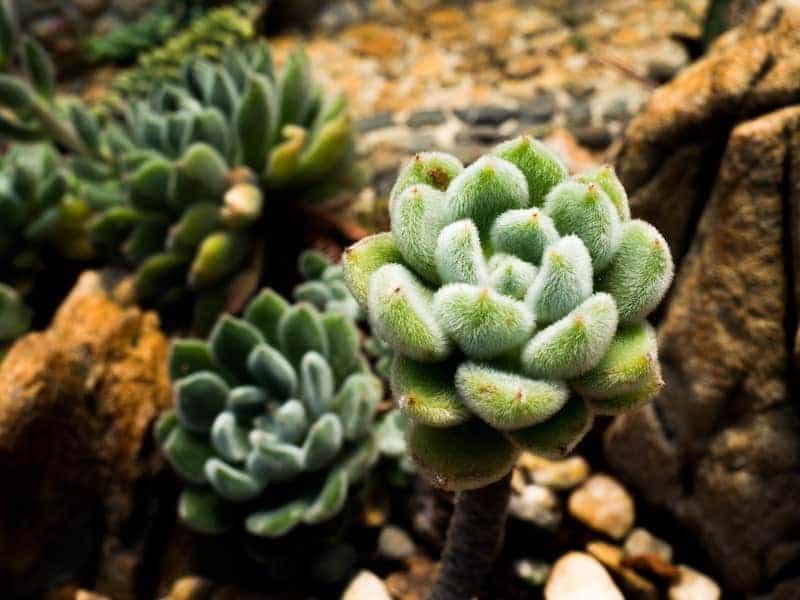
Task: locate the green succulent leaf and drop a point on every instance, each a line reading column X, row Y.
column 482, row 322
column 606, row 179
column 426, row 393
column 231, row 342
column 543, row 170
column 205, row 511
column 575, row 344
column 465, row 457
column 418, row 216
column 199, row 398
column 265, row 312
column 640, row 272
column 557, row 436
column 459, row 256
column 508, row 401
column 434, row 169
column 401, row 313
column 363, row 258
column 525, row 233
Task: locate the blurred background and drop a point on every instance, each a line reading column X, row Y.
column 697, row 105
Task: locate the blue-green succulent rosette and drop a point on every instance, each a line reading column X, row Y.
column 274, row 419
column 514, row 297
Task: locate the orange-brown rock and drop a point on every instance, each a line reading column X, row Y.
column 76, row 405
column 715, row 163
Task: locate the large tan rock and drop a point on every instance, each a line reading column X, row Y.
column 578, row 576
column 715, row 162
column 76, row 405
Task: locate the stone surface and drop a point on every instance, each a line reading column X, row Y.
column 720, row 447
column 395, row 543
column 578, row 576
column 604, row 505
column 366, row 586
column 533, row 572
column 641, row 542
column 76, row 404
column 693, row 585
column 556, row 474
column 538, row 505
column 634, row 584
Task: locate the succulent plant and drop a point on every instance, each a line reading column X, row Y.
column 273, row 419
column 207, row 36
column 189, row 173
column 324, row 286
column 126, row 40
column 514, row 298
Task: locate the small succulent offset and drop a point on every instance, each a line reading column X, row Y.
column 324, row 286
column 15, row 317
column 514, row 297
column 274, row 418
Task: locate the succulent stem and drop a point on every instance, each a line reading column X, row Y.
column 474, row 539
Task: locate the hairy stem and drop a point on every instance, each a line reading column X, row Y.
column 474, row 539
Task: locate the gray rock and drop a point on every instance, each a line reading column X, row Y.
column 486, row 115
column 594, row 137
column 378, row 121
column 539, row 109
column 578, row 113
column 426, row 118
column 617, row 111
column 483, row 136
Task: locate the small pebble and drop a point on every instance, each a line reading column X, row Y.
column 538, row 505
column 693, row 585
column 641, row 542
column 578, row 576
column 486, row 115
column 532, row 571
column 366, row 586
column 426, row 118
column 556, row 474
column 395, row 544
column 604, row 505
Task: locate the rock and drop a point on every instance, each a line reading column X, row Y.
column 578, row 113
column 578, row 576
column 533, row 572
column 486, row 115
column 395, row 543
column 520, row 67
column 539, row 109
column 617, row 111
column 666, row 60
column 633, row 583
column 76, row 405
column 426, row 118
column 604, row 505
column 538, row 505
column 713, row 162
column 652, row 565
column 190, row 588
column 483, row 136
column 594, row 137
column 415, row 582
column 366, row 586
column 641, row 542
column 562, row 474
column 379, row 121
column 693, row 585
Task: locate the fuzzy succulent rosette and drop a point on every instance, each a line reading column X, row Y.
column 514, row 297
column 274, row 419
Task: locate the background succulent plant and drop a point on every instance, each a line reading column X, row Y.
column 208, row 35
column 15, row 317
column 273, row 419
column 188, row 173
column 514, row 297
